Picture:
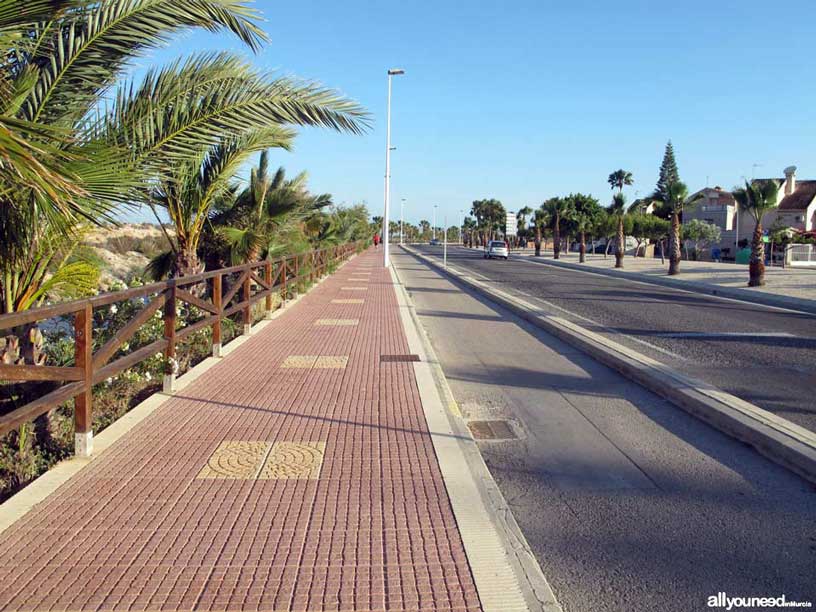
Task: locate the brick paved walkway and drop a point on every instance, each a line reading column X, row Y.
column 297, row 474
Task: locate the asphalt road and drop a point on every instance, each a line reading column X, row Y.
column 629, row 503
column 763, row 355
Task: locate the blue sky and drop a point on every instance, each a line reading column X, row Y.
column 522, row 101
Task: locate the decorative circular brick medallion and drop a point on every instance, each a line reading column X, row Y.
column 293, row 460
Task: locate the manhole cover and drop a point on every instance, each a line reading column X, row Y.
column 492, row 430
column 391, row 358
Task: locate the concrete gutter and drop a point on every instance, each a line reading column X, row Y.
column 780, row 440
column 734, row 293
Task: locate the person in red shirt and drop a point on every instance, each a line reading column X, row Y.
column 376, row 241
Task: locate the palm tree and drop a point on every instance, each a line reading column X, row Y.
column 618, row 210
column 677, row 198
column 468, row 228
column 188, row 191
column 756, row 199
column 541, row 218
column 586, row 210
column 522, row 216
column 558, row 210
column 619, row 178
column 61, row 56
column 214, row 97
column 425, row 229
column 270, row 214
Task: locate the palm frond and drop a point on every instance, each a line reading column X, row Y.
column 161, row 266
column 242, row 243
column 83, row 54
column 196, row 103
column 75, row 279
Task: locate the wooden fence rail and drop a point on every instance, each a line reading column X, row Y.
column 219, row 293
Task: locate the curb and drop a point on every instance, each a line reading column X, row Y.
column 505, row 570
column 780, row 440
column 19, row 504
column 743, row 295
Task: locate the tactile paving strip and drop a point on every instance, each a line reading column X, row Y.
column 235, row 460
column 348, row 301
column 329, row 362
column 337, row 322
column 353, row 288
column 293, row 460
column 299, row 361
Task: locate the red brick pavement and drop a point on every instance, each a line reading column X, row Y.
column 137, row 530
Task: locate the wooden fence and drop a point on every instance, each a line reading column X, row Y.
column 211, row 292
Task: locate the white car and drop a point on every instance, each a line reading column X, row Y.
column 497, row 248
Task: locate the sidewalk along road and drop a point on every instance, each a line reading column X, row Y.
column 628, row 502
column 298, row 475
column 764, row 355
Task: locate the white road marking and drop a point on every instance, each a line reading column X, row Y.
column 725, row 335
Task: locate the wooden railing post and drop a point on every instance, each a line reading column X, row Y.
column 169, row 382
column 297, row 275
column 216, row 327
column 284, row 293
column 268, row 279
column 247, row 310
column 83, row 358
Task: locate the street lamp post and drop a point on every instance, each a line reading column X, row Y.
column 402, row 217
column 462, row 227
column 433, row 227
column 386, row 260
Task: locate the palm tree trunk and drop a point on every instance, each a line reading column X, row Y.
column 620, row 245
column 582, row 250
column 674, row 245
column 557, row 238
column 187, row 263
column 538, row 241
column 756, row 267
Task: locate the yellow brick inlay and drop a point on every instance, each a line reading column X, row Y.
column 337, row 322
column 235, row 460
column 293, row 460
column 299, row 361
column 331, row 362
column 347, row 301
column 353, row 288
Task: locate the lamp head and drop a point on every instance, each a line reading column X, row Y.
column 395, row 71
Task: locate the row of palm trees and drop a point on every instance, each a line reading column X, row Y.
column 78, row 144
column 583, row 215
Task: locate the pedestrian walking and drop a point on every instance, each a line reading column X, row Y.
column 376, row 241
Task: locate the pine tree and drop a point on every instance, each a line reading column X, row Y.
column 668, row 174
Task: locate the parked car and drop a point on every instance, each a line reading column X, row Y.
column 435, row 242
column 497, row 248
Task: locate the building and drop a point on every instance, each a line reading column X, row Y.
column 796, row 202
column 795, row 207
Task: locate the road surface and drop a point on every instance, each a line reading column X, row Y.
column 766, row 356
column 628, row 503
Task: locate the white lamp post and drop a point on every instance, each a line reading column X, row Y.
column 386, row 260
